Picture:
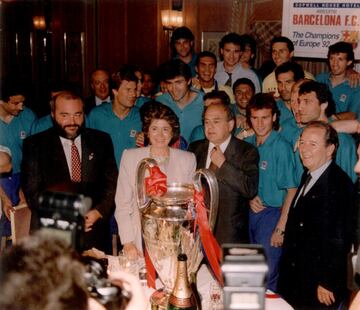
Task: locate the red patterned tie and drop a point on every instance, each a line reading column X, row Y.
column 75, row 164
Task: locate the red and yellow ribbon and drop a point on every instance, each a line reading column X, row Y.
column 210, row 245
column 155, row 185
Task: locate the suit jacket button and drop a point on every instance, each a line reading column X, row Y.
column 301, row 224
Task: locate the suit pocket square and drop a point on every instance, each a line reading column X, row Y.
column 91, row 156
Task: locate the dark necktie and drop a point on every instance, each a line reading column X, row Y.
column 302, row 190
column 212, row 166
column 75, row 164
column 229, row 81
column 307, row 180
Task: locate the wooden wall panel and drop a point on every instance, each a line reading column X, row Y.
column 142, row 33
column 130, row 31
column 112, row 33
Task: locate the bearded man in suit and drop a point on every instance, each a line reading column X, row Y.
column 71, row 158
column 235, row 164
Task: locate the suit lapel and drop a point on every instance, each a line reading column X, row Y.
column 299, row 189
column 202, row 155
column 319, row 186
column 59, row 158
column 321, row 183
column 230, row 150
column 88, row 157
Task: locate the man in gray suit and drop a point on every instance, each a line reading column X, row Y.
column 235, row 164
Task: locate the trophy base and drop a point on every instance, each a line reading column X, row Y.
column 159, row 300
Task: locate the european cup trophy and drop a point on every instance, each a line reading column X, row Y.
column 169, row 225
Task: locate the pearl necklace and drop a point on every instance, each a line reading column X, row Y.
column 160, row 159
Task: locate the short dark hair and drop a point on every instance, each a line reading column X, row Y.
column 227, row 107
column 233, row 38
column 181, row 33
column 157, row 110
column 245, row 81
column 11, row 88
column 249, row 40
column 331, row 136
column 42, row 272
column 289, row 43
column 292, row 66
column 125, row 73
column 322, row 92
column 205, row 54
column 69, row 95
column 342, row 47
column 173, row 68
column 263, row 101
column 220, row 95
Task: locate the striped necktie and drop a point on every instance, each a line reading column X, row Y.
column 229, row 81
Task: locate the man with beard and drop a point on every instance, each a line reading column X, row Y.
column 71, row 158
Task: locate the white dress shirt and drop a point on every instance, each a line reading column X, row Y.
column 99, row 101
column 223, row 147
column 66, row 143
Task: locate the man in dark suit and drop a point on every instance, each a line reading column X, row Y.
column 235, row 164
column 319, row 229
column 71, row 158
column 100, row 87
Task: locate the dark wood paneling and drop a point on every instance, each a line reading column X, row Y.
column 112, row 33
column 142, row 30
column 213, row 16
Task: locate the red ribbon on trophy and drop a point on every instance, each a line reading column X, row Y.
column 155, row 185
column 151, row 273
column 210, row 245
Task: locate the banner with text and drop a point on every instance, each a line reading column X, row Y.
column 315, row 25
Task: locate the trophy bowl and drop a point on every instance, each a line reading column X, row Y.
column 168, row 226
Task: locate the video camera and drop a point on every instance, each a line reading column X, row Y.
column 62, row 215
column 244, row 268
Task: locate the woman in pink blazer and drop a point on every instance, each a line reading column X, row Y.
column 161, row 127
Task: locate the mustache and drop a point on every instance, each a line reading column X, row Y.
column 62, row 130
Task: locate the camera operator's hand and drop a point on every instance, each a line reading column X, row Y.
column 131, row 251
column 130, row 283
column 90, row 218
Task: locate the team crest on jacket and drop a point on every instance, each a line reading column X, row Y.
column 263, row 165
column 132, row 133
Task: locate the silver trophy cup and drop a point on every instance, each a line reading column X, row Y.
column 167, row 224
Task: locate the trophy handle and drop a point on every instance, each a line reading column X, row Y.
column 141, row 198
column 214, row 192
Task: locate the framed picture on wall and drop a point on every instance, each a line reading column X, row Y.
column 210, row 41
